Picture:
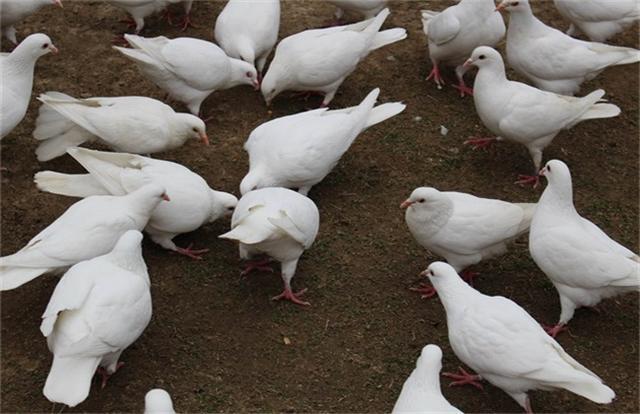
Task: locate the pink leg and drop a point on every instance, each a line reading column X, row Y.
column 468, row 276
column 464, row 378
column 435, row 75
column 119, row 40
column 477, row 142
column 192, row 253
column 260, row 265
column 105, row 375
column 129, row 21
column 527, row 406
column 425, row 290
column 553, row 331
column 187, row 23
column 287, row 294
column 528, row 180
column 463, row 89
column 168, row 16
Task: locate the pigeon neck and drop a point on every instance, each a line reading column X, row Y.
column 239, row 71
column 482, row 5
column 22, row 59
column 454, row 293
column 559, row 200
column 522, row 21
column 432, row 218
column 427, row 377
column 142, row 204
column 131, row 261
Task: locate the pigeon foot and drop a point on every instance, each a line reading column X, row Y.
column 533, row 180
column 464, row 378
column 195, row 254
column 553, row 331
column 425, row 290
column 436, row 76
column 468, row 276
column 105, row 375
column 463, row 89
column 478, row 143
column 287, row 294
column 263, row 265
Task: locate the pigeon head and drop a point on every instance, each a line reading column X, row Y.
column 158, row 401
column 514, row 6
column 193, row 127
column 484, row 56
column 422, row 198
column 245, row 73
column 222, row 205
column 558, row 176
column 430, row 361
column 442, row 274
column 36, row 45
column 273, row 83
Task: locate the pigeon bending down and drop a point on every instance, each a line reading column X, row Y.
column 248, row 30
column 320, row 59
column 583, row 263
column 134, row 124
column 158, row 401
column 462, row 228
column 89, row 228
column 365, row 8
column 193, row 204
column 552, row 60
column 16, row 77
column 188, row 69
column 14, row 11
column 421, row 391
column 599, row 19
column 99, row 308
column 141, row 9
column 279, row 223
column 298, row 151
column 454, row 33
column 526, row 115
column 504, row 345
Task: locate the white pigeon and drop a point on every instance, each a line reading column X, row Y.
column 134, row 124
column 99, row 308
column 552, row 60
column 504, row 345
column 599, row 19
column 141, row 9
column 14, row 11
column 188, row 69
column 421, row 391
column 320, row 59
column 455, row 32
column 89, row 228
column 248, row 30
column 521, row 113
column 158, row 401
column 16, row 79
column 298, row 151
column 583, row 263
column 193, row 204
column 462, row 228
column 279, row 223
column 365, row 8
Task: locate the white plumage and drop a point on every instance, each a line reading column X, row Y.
column 158, row 401
column 16, row 77
column 365, row 8
column 193, row 204
column 506, row 346
column 134, row 124
column 141, row 9
column 552, row 60
column 584, row 264
column 421, row 391
column 599, row 19
column 14, row 11
column 188, row 69
column 321, row 59
column 526, row 115
column 456, row 31
column 298, row 151
column 279, row 223
column 89, row 228
column 99, row 308
column 248, row 30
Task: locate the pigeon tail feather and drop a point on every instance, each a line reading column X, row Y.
column 387, row 37
column 71, row 185
column 69, row 380
column 12, row 277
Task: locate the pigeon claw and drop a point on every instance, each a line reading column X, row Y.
column 425, row 290
column 463, row 89
column 468, row 276
column 195, row 254
column 287, row 294
column 553, row 331
column 435, row 75
column 105, row 374
column 187, row 23
column 464, row 378
column 478, row 143
column 532, row 180
column 263, row 265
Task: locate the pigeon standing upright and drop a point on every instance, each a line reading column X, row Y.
column 193, row 204
column 158, row 401
column 89, row 228
column 298, row 151
column 599, row 19
column 504, row 345
column 141, row 9
column 279, row 223
column 16, row 79
column 552, row 60
column 14, row 11
column 365, row 8
column 526, row 115
column 454, row 33
column 99, row 308
column 421, row 391
column 188, row 69
column 321, row 59
column 248, row 30
column 583, row 263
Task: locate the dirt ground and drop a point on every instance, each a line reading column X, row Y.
column 216, row 342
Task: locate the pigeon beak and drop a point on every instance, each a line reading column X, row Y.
column 58, row 3
column 542, row 171
column 165, row 197
column 204, row 138
column 406, row 203
column 500, row 7
column 468, row 63
column 424, row 273
column 256, row 85
column 53, row 49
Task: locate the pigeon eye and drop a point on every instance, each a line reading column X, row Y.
column 230, row 208
column 248, row 74
column 549, row 168
column 516, row 3
column 194, row 129
column 46, row 45
column 482, row 57
column 422, row 200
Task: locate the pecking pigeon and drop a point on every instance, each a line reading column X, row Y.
column 193, row 204
column 599, row 19
column 14, row 11
column 158, row 401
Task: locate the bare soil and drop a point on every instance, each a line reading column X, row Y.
column 217, row 343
